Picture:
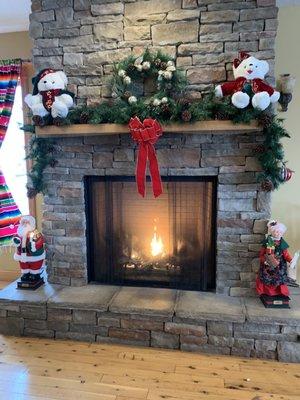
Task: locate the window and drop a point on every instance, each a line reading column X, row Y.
column 12, row 156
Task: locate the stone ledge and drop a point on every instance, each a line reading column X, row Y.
column 91, row 297
column 272, row 316
column 190, row 321
column 148, row 301
column 11, row 295
column 199, row 306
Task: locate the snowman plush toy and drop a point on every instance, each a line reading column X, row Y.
column 49, row 97
column 249, row 85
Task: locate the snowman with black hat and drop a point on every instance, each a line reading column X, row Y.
column 49, row 97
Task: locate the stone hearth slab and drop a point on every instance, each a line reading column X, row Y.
column 91, row 297
column 147, row 301
column 209, row 306
column 10, row 294
column 256, row 312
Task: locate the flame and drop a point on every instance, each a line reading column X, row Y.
column 157, row 246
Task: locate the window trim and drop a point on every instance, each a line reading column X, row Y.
column 26, row 74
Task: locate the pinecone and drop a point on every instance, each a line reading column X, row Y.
column 184, row 103
column 84, row 117
column 265, row 119
column 221, row 115
column 186, row 115
column 31, row 192
column 127, row 94
column 130, row 68
column 163, row 65
column 157, row 62
column 165, row 108
column 259, row 149
column 267, row 185
column 58, row 121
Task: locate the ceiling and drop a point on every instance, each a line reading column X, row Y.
column 14, row 15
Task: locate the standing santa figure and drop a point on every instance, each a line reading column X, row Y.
column 272, row 279
column 30, row 252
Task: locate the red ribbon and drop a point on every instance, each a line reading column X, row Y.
column 146, row 134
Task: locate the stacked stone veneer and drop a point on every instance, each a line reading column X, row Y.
column 242, row 207
column 252, row 333
column 85, row 37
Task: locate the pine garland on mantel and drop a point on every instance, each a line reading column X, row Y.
column 169, row 104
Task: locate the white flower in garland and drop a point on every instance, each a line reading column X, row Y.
column 138, row 61
column 122, row 73
column 164, row 100
column 127, row 80
column 171, row 68
column 167, row 75
column 156, row 102
column 170, row 63
column 139, row 67
column 146, row 65
column 132, row 99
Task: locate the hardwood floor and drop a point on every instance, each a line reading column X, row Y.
column 6, row 277
column 42, row 369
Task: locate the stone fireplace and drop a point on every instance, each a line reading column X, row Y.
column 234, row 210
column 85, row 38
column 202, row 234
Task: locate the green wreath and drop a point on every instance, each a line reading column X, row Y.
column 159, row 69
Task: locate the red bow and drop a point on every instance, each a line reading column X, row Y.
column 146, row 133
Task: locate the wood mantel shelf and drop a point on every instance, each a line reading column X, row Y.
column 200, row 127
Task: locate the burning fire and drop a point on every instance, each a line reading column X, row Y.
column 157, row 246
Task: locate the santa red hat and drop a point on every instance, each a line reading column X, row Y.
column 277, row 225
column 38, row 77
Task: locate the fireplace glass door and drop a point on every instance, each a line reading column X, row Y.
column 164, row 242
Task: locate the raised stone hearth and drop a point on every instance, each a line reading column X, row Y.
column 191, row 321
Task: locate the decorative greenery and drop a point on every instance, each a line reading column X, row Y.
column 136, row 77
column 168, row 104
column 40, row 152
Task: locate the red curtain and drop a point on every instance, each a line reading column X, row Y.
column 9, row 212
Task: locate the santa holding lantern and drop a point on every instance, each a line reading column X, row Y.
column 30, row 252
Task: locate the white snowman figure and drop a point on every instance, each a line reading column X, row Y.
column 49, row 96
column 249, row 84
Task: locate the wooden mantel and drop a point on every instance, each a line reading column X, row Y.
column 200, row 127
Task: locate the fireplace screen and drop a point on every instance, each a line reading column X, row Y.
column 164, row 242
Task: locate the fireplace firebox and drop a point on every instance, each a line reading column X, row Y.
column 169, row 241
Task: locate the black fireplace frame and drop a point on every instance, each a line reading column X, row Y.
column 89, row 227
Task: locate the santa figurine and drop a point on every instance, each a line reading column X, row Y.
column 30, row 252
column 272, row 279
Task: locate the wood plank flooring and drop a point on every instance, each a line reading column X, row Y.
column 8, row 276
column 41, row 369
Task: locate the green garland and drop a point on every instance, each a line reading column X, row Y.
column 169, row 104
column 40, row 152
column 270, row 153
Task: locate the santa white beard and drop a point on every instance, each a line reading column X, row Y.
column 24, row 230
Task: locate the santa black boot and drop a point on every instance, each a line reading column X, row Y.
column 34, row 277
column 25, row 277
